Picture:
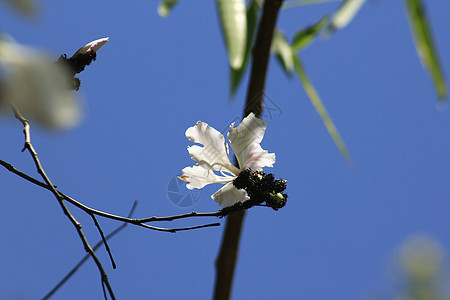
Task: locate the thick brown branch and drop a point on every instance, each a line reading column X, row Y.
column 261, row 53
column 226, row 260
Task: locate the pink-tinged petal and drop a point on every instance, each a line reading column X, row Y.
column 198, row 177
column 244, row 141
column 92, row 46
column 229, row 195
column 214, row 153
column 259, row 158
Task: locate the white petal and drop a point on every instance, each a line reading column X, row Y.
column 244, row 141
column 214, row 152
column 198, row 177
column 259, row 158
column 229, row 195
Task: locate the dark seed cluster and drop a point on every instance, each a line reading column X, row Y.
column 262, row 189
column 76, row 64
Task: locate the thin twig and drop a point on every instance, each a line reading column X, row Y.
column 28, row 146
column 227, row 257
column 89, row 210
column 104, row 240
column 173, row 230
column 85, row 258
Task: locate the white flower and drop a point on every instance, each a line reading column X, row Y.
column 37, row 86
column 213, row 164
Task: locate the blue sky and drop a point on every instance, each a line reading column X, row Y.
column 339, row 232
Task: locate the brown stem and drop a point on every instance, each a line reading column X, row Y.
column 138, row 222
column 226, row 260
column 29, row 146
column 85, row 258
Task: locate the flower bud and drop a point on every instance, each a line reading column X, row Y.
column 92, row 47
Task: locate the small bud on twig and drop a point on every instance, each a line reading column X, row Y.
column 82, row 58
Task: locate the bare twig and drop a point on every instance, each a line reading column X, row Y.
column 84, row 259
column 139, row 222
column 104, row 240
column 226, row 260
column 28, row 146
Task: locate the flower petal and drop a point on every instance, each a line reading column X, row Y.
column 244, row 141
column 229, row 195
column 214, row 153
column 198, row 177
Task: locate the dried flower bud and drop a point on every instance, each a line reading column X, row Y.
column 260, row 187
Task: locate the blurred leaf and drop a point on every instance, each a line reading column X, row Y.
column 344, row 15
column 318, row 105
column 252, row 20
column 233, row 20
column 424, row 44
column 304, row 37
column 283, row 52
column 165, row 6
column 292, row 4
column 25, row 7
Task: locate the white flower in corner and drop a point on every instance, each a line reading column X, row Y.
column 213, row 164
column 37, row 86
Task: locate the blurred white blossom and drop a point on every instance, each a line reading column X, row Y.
column 421, row 259
column 37, row 86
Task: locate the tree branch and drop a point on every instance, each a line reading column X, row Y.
column 138, row 222
column 226, row 260
column 85, row 258
column 28, row 146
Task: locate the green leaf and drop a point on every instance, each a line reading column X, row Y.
column 252, row 19
column 320, row 108
column 233, row 20
column 292, row 4
column 424, row 44
column 305, row 36
column 283, row 52
column 344, row 15
column 165, row 6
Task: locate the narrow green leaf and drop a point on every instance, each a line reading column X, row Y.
column 165, row 6
column 305, row 36
column 344, row 15
column 320, row 108
column 283, row 52
column 424, row 44
column 295, row 3
column 233, row 20
column 252, row 19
